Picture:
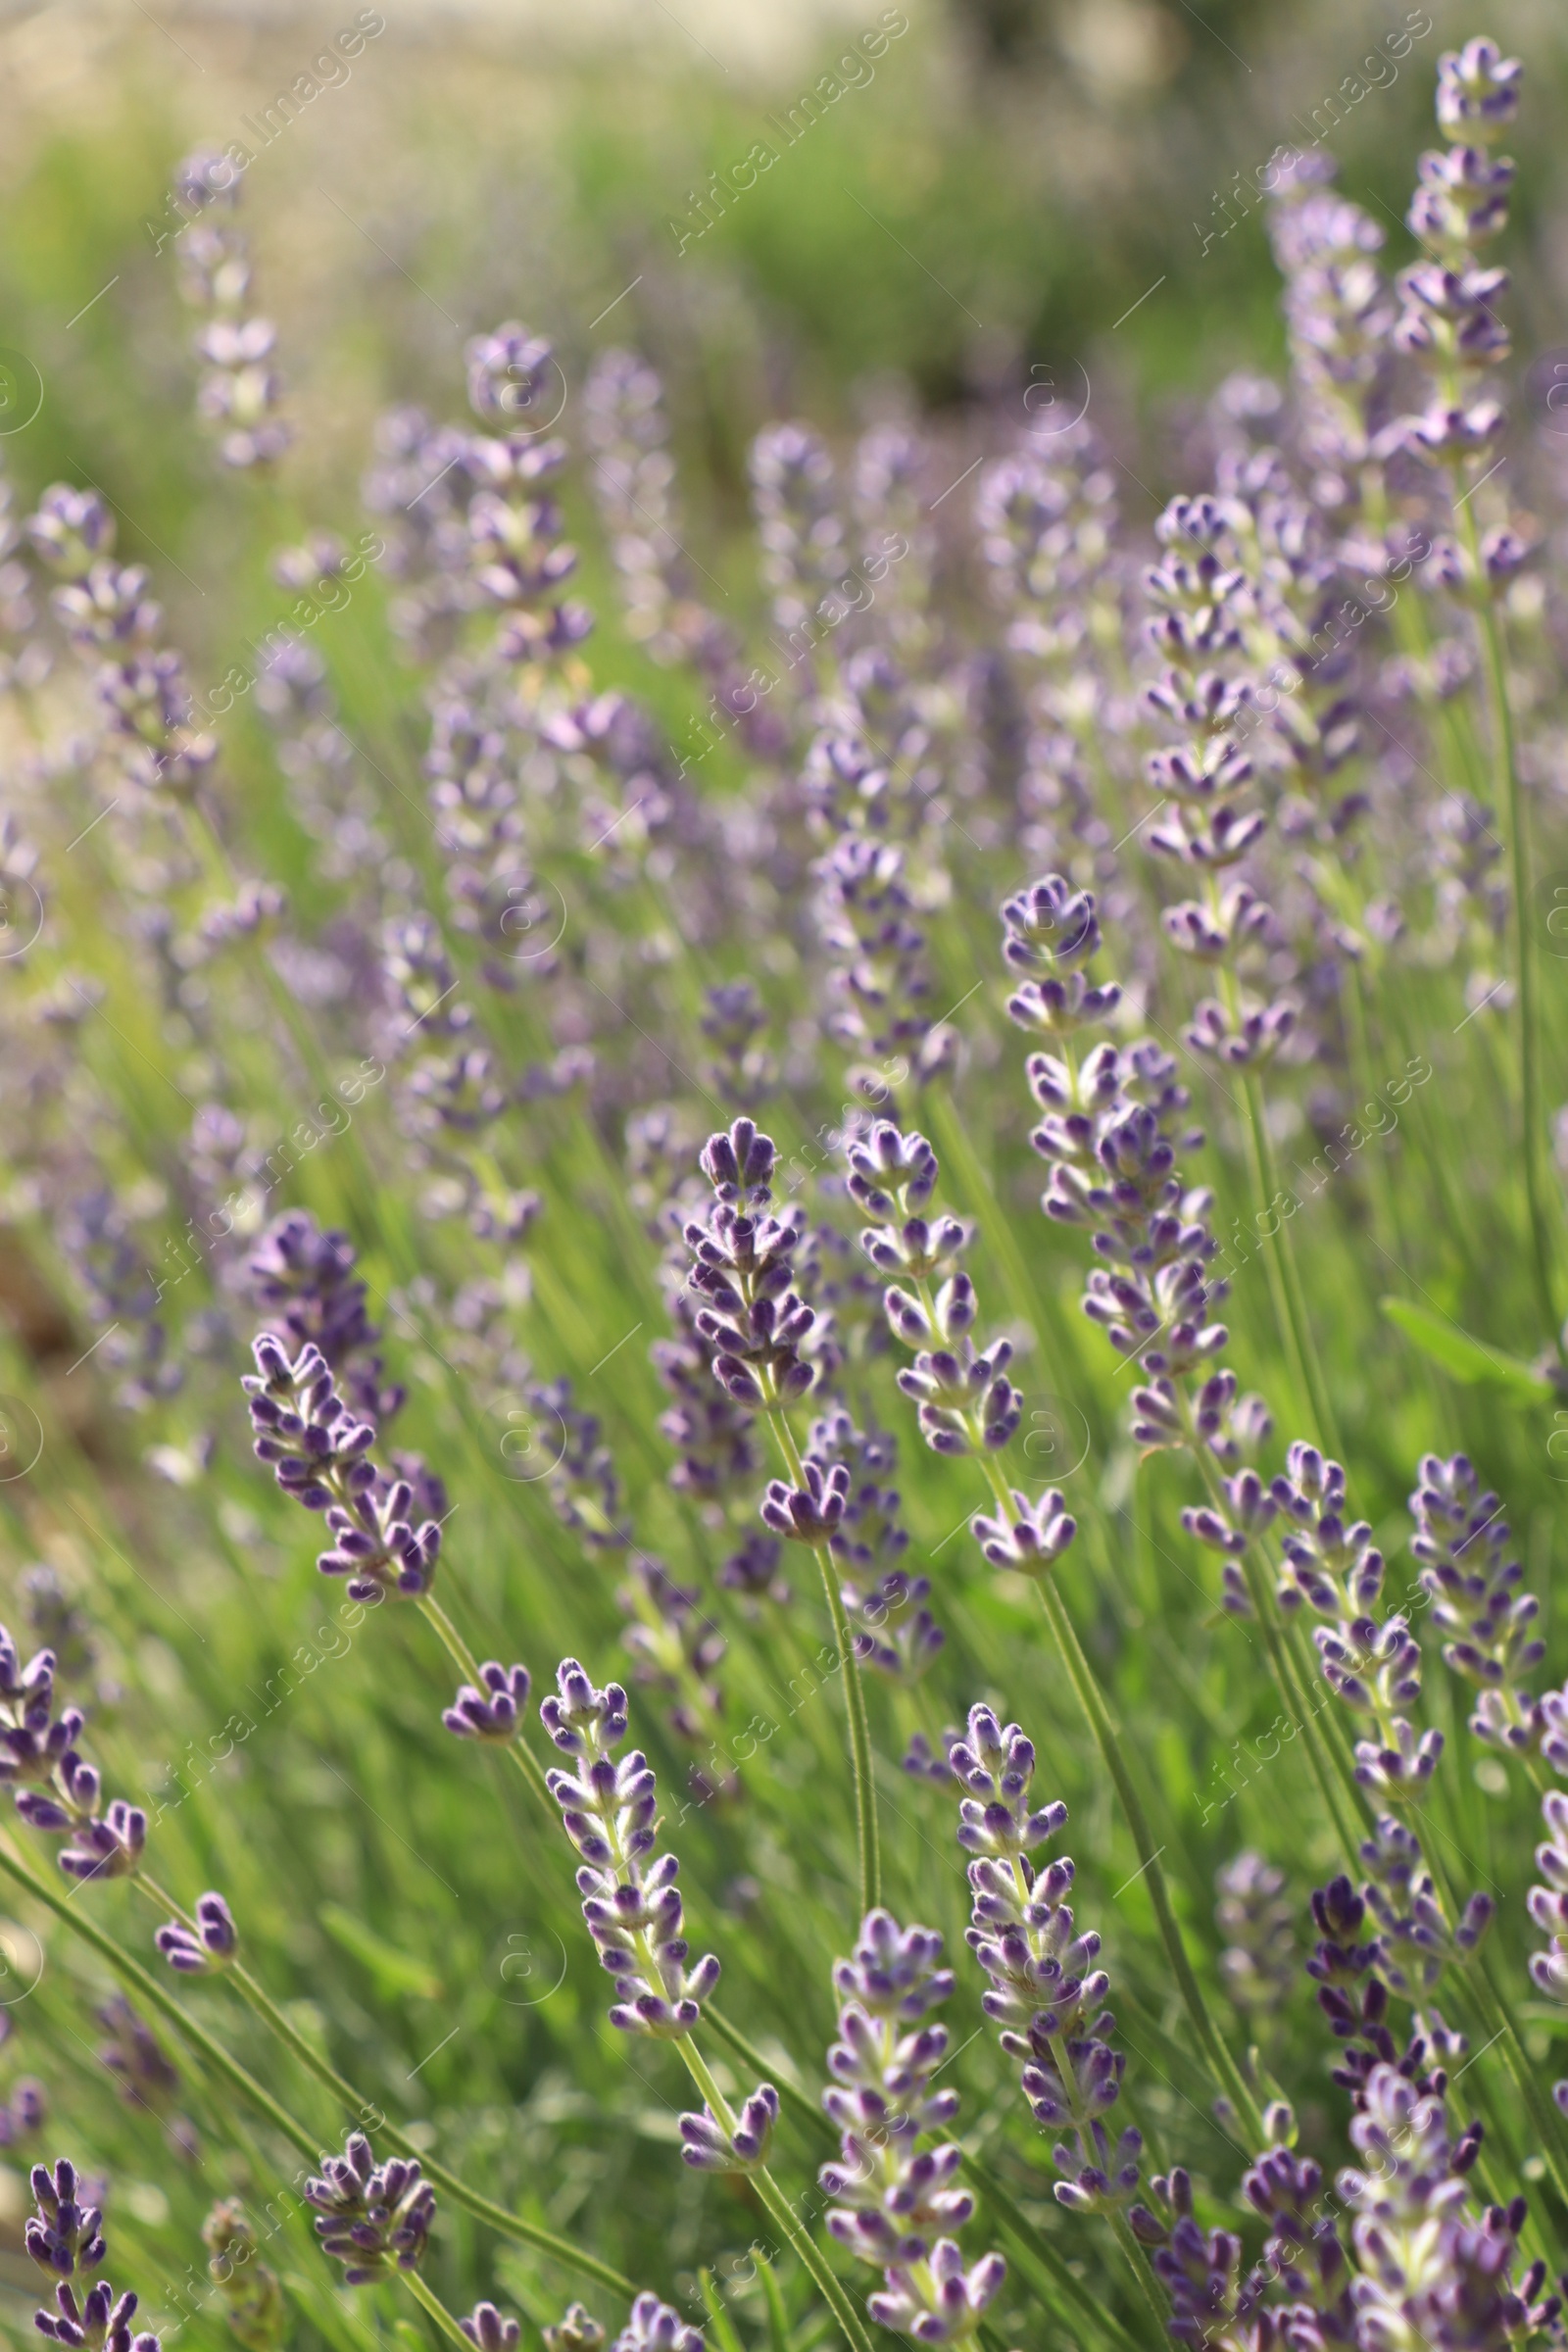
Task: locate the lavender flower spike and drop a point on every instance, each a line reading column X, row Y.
column 708, row 2148
column 494, row 1713
column 374, row 2218
column 631, row 1904
column 213, row 1940
column 486, row 2328
column 1045, row 1989
column 64, row 2235
column 892, row 2198
column 654, row 2328
column 64, row 2238
column 320, row 1454
column 1032, row 1537
column 101, row 2320
column 966, row 1403
column 946, row 2306
column 752, row 1319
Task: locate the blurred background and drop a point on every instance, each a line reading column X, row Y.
column 993, row 195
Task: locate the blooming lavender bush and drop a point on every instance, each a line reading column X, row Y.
column 581, row 1155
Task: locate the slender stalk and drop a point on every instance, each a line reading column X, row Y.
column 1284, row 1275
column 1138, row 2264
column 778, row 2205
column 865, row 1828
column 1327, row 1766
column 437, row 2310
column 1086, row 1690
column 508, row 2225
column 1505, row 784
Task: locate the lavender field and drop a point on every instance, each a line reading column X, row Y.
column 784, row 1229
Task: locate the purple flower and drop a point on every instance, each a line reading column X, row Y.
column 812, row 1512
column 495, row 1712
column 99, row 2323
column 1032, row 1537
column 652, row 2327
column 894, row 2199
column 752, row 1319
column 213, row 1940
column 319, row 1452
column 486, row 2328
column 708, row 2148
column 631, row 1904
column 1462, row 1542
column 62, row 2235
column 373, row 2218
column 1045, row 1989
column 945, row 2305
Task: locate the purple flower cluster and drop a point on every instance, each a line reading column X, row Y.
column 708, row 2146
column 1045, row 1990
column 319, row 1452
column 211, row 1941
column 1462, row 1542
column 1447, row 320
column 1347, row 1964
column 142, row 693
column 373, row 2218
column 1375, row 1668
column 65, row 2236
column 751, row 1318
column 895, row 2203
column 609, row 1810
column 1112, row 1126
column 1204, row 778
column 894, row 1633
column 966, row 1403
column 1338, row 312
column 305, row 1280
column 57, row 1791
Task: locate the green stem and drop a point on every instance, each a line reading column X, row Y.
column 778, row 2205
column 1138, row 2264
column 508, row 2225
column 1284, row 1275
column 1506, row 783
column 437, row 2310
column 1086, row 1690
column 865, row 1828
column 1325, row 1763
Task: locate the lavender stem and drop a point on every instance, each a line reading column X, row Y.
column 1505, row 784
column 865, row 1828
column 435, row 2306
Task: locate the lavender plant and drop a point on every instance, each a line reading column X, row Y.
column 387, row 1036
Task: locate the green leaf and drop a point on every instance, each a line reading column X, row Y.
column 394, row 1972
column 1462, row 1357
